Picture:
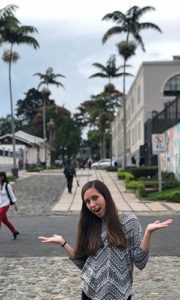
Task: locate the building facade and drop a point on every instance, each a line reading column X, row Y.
column 149, row 93
column 29, row 150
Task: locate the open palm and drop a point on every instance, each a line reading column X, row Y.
column 158, row 225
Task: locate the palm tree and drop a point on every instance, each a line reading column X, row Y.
column 14, row 33
column 46, row 79
column 7, row 17
column 49, row 78
column 109, row 71
column 126, row 50
column 129, row 25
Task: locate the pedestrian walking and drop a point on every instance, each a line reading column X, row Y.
column 89, row 162
column 6, row 196
column 69, row 172
column 108, row 246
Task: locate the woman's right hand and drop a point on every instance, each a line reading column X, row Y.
column 15, row 207
column 58, row 239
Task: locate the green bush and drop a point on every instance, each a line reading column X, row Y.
column 176, row 197
column 141, row 190
column 132, row 184
column 120, row 169
column 111, row 169
column 35, row 168
column 147, row 171
column 172, row 195
column 128, row 177
column 121, row 173
column 138, row 185
column 10, row 177
column 169, row 180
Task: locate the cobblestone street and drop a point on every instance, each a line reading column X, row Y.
column 37, row 194
column 57, row 278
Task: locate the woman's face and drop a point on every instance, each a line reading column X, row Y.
column 95, row 202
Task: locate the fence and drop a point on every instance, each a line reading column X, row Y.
column 166, row 119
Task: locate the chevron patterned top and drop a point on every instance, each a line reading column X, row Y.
column 108, row 275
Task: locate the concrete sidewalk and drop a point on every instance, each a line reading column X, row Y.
column 125, row 201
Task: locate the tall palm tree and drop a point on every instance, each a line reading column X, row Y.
column 47, row 79
column 129, row 25
column 109, row 70
column 15, row 34
column 7, row 17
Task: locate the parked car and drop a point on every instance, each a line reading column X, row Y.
column 102, row 163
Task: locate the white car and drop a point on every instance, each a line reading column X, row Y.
column 102, row 163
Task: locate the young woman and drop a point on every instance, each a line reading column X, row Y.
column 5, row 192
column 109, row 244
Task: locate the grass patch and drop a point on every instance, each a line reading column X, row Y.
column 172, row 195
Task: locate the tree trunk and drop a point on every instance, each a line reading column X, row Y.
column 12, row 114
column 124, row 115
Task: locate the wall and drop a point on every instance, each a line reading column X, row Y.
column 170, row 160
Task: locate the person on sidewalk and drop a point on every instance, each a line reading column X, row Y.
column 6, row 191
column 89, row 163
column 69, row 172
column 108, row 246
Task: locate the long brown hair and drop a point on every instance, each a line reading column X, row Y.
column 89, row 228
column 4, row 178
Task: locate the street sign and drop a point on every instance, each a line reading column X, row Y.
column 158, row 143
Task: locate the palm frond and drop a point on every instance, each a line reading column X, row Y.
column 99, row 75
column 113, row 31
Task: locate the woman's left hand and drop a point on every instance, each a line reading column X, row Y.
column 158, row 225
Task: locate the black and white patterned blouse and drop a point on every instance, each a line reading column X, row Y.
column 108, row 275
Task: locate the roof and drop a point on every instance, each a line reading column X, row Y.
column 28, row 137
column 24, row 138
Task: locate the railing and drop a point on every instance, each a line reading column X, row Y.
column 166, row 119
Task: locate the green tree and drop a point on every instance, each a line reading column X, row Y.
column 130, row 25
column 7, row 18
column 68, row 138
column 109, row 70
column 93, row 141
column 5, row 125
column 27, row 108
column 47, row 78
column 99, row 112
column 15, row 34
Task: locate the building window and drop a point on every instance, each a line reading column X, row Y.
column 128, row 139
column 135, row 133
column 139, row 130
column 172, row 86
column 138, row 94
column 132, row 136
column 132, row 105
column 128, row 113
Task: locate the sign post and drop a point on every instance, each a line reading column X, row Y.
column 158, row 147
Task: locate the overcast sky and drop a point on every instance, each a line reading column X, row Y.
column 70, row 37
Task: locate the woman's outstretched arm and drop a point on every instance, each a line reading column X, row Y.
column 58, row 239
column 145, row 244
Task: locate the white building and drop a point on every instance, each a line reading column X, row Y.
column 149, row 92
column 30, row 149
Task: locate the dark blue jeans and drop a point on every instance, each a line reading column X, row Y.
column 69, row 183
